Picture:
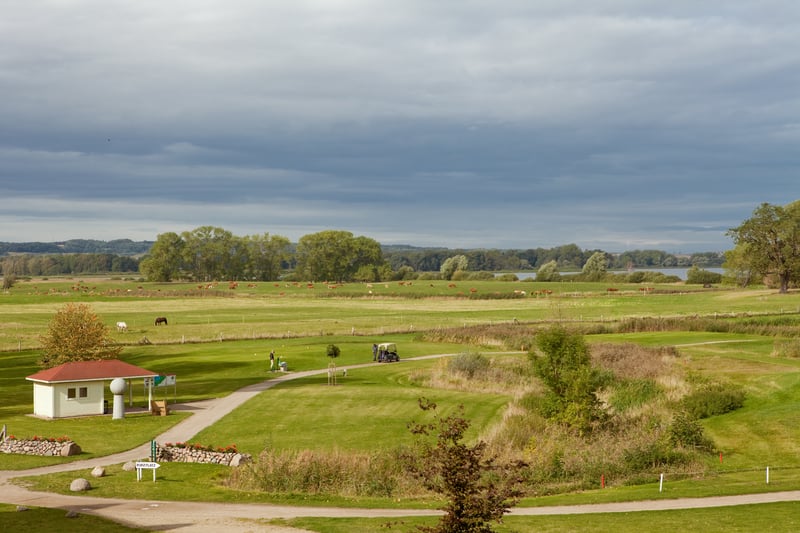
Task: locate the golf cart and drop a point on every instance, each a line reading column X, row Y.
column 387, row 352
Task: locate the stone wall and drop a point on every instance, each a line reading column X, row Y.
column 191, row 454
column 41, row 447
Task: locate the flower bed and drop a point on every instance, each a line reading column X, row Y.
column 44, row 446
column 184, row 452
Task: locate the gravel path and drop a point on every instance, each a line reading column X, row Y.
column 235, row 518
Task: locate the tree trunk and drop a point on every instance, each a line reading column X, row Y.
column 784, row 284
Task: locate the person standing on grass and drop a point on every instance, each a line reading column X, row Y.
column 374, row 352
column 272, row 360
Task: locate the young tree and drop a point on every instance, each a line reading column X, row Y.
column 595, row 267
column 451, row 265
column 548, row 272
column 76, row 334
column 478, row 491
column 565, row 368
column 771, row 239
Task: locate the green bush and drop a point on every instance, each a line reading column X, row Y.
column 333, row 351
column 507, row 277
column 468, row 363
column 686, row 432
column 713, row 399
column 698, row 276
column 651, row 456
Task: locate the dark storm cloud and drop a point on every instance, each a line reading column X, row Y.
column 613, row 124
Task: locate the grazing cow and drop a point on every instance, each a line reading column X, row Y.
column 161, row 320
column 122, row 326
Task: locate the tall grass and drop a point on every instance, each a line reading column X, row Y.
column 347, row 474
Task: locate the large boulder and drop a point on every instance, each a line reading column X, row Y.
column 130, row 466
column 240, row 459
column 70, row 448
column 79, row 485
column 98, row 471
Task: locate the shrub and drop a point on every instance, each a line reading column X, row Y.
column 651, row 456
column 333, row 351
column 468, row 363
column 685, row 431
column 713, row 399
column 698, row 276
column 507, row 277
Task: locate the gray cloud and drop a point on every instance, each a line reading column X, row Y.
column 616, row 124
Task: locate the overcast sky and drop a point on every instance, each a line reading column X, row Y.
column 612, row 124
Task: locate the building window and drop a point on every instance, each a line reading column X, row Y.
column 83, row 392
column 71, row 393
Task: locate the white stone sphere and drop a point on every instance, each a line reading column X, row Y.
column 118, row 386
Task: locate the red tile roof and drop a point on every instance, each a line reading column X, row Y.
column 90, row 371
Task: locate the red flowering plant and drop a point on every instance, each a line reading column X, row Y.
column 39, row 438
column 231, row 448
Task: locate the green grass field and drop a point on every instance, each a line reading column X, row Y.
column 218, row 343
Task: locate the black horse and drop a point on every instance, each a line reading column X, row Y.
column 161, row 320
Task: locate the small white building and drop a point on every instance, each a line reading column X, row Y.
column 78, row 388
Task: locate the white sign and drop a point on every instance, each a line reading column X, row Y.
column 142, row 465
column 163, row 381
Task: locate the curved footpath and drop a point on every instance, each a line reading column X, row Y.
column 204, row 517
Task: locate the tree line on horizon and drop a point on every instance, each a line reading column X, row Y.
column 208, row 252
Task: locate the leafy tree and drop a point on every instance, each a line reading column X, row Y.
column 548, row 272
column 9, row 280
column 595, row 267
column 451, row 265
column 737, row 265
column 564, row 366
column 336, row 255
column 163, row 262
column 478, row 490
column 265, row 256
column 366, row 252
column 325, row 255
column 771, row 240
column 208, row 254
column 333, row 351
column 76, row 334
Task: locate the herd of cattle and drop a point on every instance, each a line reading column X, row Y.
column 123, row 326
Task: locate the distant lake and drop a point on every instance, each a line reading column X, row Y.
column 680, row 272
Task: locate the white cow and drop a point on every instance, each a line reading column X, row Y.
column 122, row 326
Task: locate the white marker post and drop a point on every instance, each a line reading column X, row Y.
column 142, row 465
column 660, row 482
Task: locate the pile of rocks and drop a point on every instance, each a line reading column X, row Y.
column 44, row 447
column 192, row 454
